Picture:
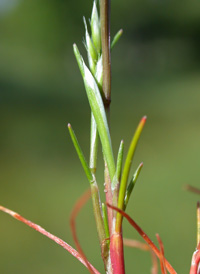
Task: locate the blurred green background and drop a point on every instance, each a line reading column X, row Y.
column 155, row 72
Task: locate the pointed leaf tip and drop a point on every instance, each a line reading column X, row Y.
column 116, row 38
column 144, row 118
column 127, row 167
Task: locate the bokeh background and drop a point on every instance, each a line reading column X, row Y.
column 155, row 72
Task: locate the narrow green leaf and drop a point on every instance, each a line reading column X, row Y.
column 126, row 170
column 79, row 59
column 80, row 155
column 116, row 179
column 97, row 207
column 97, row 107
column 91, row 51
column 119, row 159
column 95, row 28
column 116, row 38
column 105, row 219
column 117, row 176
column 99, row 72
column 131, row 185
column 93, row 145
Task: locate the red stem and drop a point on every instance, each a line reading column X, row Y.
column 117, row 253
column 145, row 237
column 49, row 235
column 162, row 258
column 195, row 262
column 77, row 207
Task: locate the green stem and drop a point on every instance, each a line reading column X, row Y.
column 95, row 199
column 100, row 223
column 105, row 219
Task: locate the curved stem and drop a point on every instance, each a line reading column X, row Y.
column 49, row 235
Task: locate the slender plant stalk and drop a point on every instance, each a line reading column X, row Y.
column 116, row 241
column 77, row 207
column 145, row 237
column 198, row 223
column 105, row 40
column 97, row 81
column 162, row 257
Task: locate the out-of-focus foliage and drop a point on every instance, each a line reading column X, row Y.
column 156, row 68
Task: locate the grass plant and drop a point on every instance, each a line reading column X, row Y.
column 109, row 211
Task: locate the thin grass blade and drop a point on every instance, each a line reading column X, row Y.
column 91, row 51
column 80, row 155
column 126, row 170
column 119, row 160
column 131, row 185
column 96, row 28
column 94, row 138
column 116, row 38
column 97, row 107
column 105, row 219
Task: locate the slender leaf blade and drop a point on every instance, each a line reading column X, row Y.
column 116, row 38
column 80, row 155
column 132, row 185
column 98, row 110
column 126, row 170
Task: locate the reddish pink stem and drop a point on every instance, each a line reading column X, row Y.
column 77, row 207
column 49, row 235
column 162, row 258
column 145, row 237
column 195, row 262
column 117, row 253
